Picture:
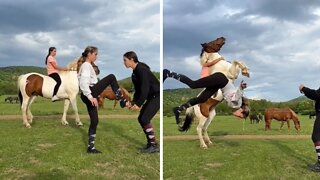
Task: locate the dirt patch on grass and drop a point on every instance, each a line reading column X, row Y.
column 234, row 137
column 214, row 165
column 19, row 173
column 46, row 145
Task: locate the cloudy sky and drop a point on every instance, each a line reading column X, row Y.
column 278, row 40
column 29, row 27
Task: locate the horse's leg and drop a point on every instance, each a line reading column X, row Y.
column 29, row 114
column 115, row 104
column 75, row 109
column 206, row 125
column 24, row 107
column 65, row 110
column 288, row 122
column 267, row 124
column 200, row 126
column 282, row 123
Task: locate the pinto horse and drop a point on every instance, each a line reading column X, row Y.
column 34, row 84
column 205, row 112
column 283, row 115
column 109, row 94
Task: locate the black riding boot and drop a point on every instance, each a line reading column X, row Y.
column 178, row 110
column 167, row 73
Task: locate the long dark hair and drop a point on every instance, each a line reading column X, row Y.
column 133, row 55
column 50, row 49
column 82, row 59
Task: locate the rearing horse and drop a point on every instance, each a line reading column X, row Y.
column 205, row 112
column 34, row 84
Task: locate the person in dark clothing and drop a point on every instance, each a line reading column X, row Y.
column 314, row 95
column 146, row 98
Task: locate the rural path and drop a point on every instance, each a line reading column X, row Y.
column 233, row 137
column 111, row 116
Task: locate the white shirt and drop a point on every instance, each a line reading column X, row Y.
column 87, row 77
column 232, row 95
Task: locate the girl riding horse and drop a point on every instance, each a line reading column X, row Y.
column 53, row 70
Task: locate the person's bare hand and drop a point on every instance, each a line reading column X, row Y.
column 94, row 102
column 135, row 107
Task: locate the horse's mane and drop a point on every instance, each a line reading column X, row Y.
column 73, row 65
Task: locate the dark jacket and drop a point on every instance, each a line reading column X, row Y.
column 314, row 95
column 146, row 85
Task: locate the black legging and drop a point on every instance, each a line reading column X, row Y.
column 316, row 129
column 212, row 84
column 149, row 109
column 57, row 78
column 96, row 90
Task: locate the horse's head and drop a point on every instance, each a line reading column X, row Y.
column 213, row 46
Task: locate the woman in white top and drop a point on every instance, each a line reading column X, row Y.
column 91, row 88
column 212, row 84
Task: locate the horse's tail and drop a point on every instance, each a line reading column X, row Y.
column 20, row 84
column 188, row 120
column 20, row 97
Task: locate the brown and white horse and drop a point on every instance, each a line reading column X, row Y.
column 283, row 115
column 205, row 112
column 34, row 84
column 109, row 94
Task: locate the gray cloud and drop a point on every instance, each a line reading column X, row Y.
column 278, row 40
column 29, row 28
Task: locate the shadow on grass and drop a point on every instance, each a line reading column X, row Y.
column 118, row 130
column 287, row 151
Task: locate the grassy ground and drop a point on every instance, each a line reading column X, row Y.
column 43, row 106
column 50, row 150
column 239, row 158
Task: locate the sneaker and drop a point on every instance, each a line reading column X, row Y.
column 166, row 74
column 177, row 114
column 315, row 167
column 151, row 149
column 54, row 98
column 145, row 146
column 93, row 151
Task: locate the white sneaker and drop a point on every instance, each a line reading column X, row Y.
column 54, row 98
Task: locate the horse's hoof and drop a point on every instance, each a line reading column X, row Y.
column 204, row 146
column 28, row 126
column 65, row 123
column 209, row 142
column 79, row 124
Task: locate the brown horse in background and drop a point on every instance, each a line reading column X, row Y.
column 283, row 115
column 109, row 94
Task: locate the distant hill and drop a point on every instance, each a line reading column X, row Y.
column 298, row 99
column 10, row 74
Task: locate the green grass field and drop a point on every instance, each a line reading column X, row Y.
column 239, row 158
column 50, row 150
